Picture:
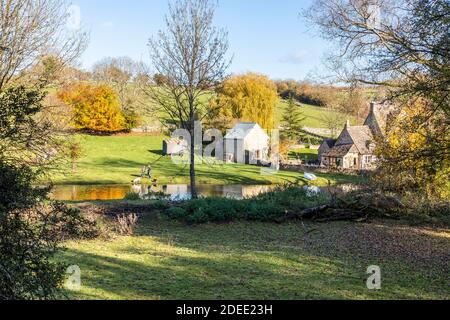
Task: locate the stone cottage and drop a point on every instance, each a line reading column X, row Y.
column 355, row 147
column 246, row 143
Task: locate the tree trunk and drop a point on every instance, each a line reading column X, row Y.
column 192, row 170
column 192, row 155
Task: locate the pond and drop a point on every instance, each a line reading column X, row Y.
column 174, row 192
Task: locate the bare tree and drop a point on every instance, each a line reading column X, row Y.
column 31, row 30
column 119, row 73
column 403, row 45
column 334, row 122
column 355, row 102
column 191, row 55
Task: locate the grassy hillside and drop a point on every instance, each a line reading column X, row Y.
column 314, row 115
column 119, row 159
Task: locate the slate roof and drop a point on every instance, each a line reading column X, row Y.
column 341, row 151
column 362, row 137
column 242, row 129
column 330, row 142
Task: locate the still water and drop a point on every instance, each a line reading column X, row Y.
column 174, row 192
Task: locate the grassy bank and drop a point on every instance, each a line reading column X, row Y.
column 304, row 154
column 119, row 159
column 253, row 260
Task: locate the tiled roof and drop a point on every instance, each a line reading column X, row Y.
column 341, row 151
column 362, row 137
column 330, row 142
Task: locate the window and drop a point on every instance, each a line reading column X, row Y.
column 367, row 159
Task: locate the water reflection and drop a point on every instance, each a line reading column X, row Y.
column 173, row 192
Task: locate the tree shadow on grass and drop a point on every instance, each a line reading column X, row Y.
column 169, row 260
column 118, row 163
column 175, row 275
column 157, row 152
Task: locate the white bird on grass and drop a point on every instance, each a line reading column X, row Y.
column 310, row 176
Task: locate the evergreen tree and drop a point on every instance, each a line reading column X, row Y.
column 292, row 122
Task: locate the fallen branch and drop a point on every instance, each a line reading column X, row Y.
column 307, row 213
column 357, row 207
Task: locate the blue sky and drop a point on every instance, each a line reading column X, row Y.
column 266, row 36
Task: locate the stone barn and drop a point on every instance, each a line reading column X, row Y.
column 174, row 147
column 246, row 143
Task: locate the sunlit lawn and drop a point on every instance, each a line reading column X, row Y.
column 119, row 159
column 243, row 260
column 304, row 154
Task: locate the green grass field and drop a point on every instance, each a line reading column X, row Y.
column 314, row 115
column 250, row 260
column 304, row 154
column 119, row 159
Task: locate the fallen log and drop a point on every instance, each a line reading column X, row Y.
column 307, row 213
column 334, row 214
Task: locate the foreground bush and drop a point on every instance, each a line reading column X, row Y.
column 295, row 203
column 31, row 227
column 30, row 234
column 271, row 206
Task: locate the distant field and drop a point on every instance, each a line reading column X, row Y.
column 314, row 115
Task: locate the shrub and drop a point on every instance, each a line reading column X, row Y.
column 264, row 211
column 32, row 227
column 132, row 196
column 132, row 120
column 159, row 205
column 266, row 207
column 127, row 223
column 176, row 213
column 30, row 235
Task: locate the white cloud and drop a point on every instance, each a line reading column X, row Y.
column 294, row 58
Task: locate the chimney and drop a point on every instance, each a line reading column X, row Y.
column 347, row 124
column 373, row 106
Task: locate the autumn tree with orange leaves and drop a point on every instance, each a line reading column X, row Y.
column 94, row 108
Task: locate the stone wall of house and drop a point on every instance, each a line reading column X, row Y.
column 351, row 161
